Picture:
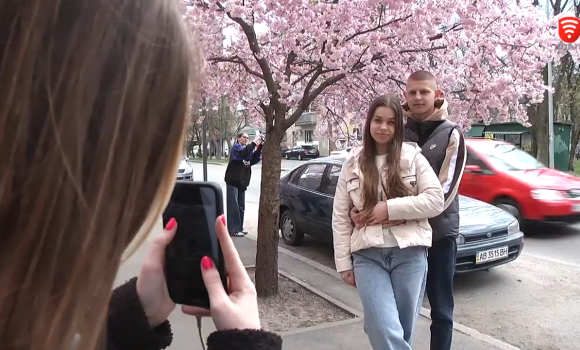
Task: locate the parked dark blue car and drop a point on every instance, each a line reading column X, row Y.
column 488, row 237
column 302, row 152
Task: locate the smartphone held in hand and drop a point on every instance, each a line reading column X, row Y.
column 195, row 206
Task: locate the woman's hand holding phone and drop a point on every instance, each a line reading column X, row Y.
column 151, row 284
column 237, row 308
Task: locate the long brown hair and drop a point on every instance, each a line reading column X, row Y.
column 394, row 186
column 93, row 99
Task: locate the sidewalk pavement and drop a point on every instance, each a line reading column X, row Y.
column 349, row 334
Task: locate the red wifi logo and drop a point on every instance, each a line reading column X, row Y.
column 569, row 29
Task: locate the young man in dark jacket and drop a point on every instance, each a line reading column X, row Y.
column 443, row 145
column 238, row 174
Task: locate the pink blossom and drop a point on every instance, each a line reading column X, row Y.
column 487, row 54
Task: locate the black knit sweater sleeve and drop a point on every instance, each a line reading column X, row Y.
column 127, row 325
column 244, row 340
column 128, row 328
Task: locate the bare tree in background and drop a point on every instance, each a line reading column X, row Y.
column 193, row 135
column 224, row 123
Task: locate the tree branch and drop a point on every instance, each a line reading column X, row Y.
column 303, row 76
column 440, row 35
column 255, row 48
column 311, row 96
column 434, row 48
column 289, row 62
column 377, row 27
column 238, row 60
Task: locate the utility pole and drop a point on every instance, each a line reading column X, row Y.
column 550, row 104
column 204, row 139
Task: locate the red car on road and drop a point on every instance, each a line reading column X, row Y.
column 499, row 173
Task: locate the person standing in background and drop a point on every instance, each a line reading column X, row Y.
column 443, row 145
column 237, row 179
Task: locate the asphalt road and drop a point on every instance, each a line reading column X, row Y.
column 532, row 303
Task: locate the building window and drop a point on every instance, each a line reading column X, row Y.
column 308, row 135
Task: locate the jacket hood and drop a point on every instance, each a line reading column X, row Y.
column 439, row 114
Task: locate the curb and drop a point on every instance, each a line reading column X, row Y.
column 424, row 312
column 357, row 316
column 350, row 310
column 209, row 162
column 321, row 327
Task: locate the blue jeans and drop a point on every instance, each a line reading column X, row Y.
column 236, row 202
column 440, row 291
column 391, row 285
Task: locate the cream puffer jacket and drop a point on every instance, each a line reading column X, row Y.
column 426, row 202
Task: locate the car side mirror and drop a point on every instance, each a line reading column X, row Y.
column 473, row 168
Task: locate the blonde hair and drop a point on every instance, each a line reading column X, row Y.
column 93, row 97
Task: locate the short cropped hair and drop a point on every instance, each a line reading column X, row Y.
column 421, row 75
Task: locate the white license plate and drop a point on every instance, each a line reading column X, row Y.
column 576, row 208
column 491, row 255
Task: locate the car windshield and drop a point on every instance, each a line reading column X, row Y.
column 307, row 147
column 510, row 158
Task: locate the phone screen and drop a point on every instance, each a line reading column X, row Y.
column 195, row 206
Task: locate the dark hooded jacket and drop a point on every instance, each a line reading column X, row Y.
column 443, row 145
column 239, row 171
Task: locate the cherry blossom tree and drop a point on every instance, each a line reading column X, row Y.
column 281, row 56
column 565, row 63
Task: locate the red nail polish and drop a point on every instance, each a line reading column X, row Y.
column 224, row 220
column 206, row 263
column 170, row 225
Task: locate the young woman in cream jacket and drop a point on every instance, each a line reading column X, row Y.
column 384, row 255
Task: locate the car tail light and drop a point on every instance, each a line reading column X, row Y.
column 305, row 152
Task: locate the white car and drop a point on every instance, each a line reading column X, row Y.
column 341, row 153
column 184, row 171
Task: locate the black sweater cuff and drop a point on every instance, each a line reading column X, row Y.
column 247, row 339
column 127, row 325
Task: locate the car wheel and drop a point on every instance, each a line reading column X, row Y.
column 510, row 206
column 290, row 233
column 287, row 155
column 299, row 157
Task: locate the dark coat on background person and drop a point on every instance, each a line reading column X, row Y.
column 128, row 328
column 239, row 169
column 443, row 145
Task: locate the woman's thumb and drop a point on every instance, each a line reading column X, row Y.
column 212, row 280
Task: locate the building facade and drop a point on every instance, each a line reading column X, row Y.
column 307, row 129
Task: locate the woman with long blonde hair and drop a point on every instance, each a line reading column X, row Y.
column 93, row 97
column 384, row 253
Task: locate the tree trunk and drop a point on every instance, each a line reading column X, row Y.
column 538, row 116
column 268, row 216
column 229, row 141
column 573, row 144
column 575, row 133
column 331, row 138
column 220, row 147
